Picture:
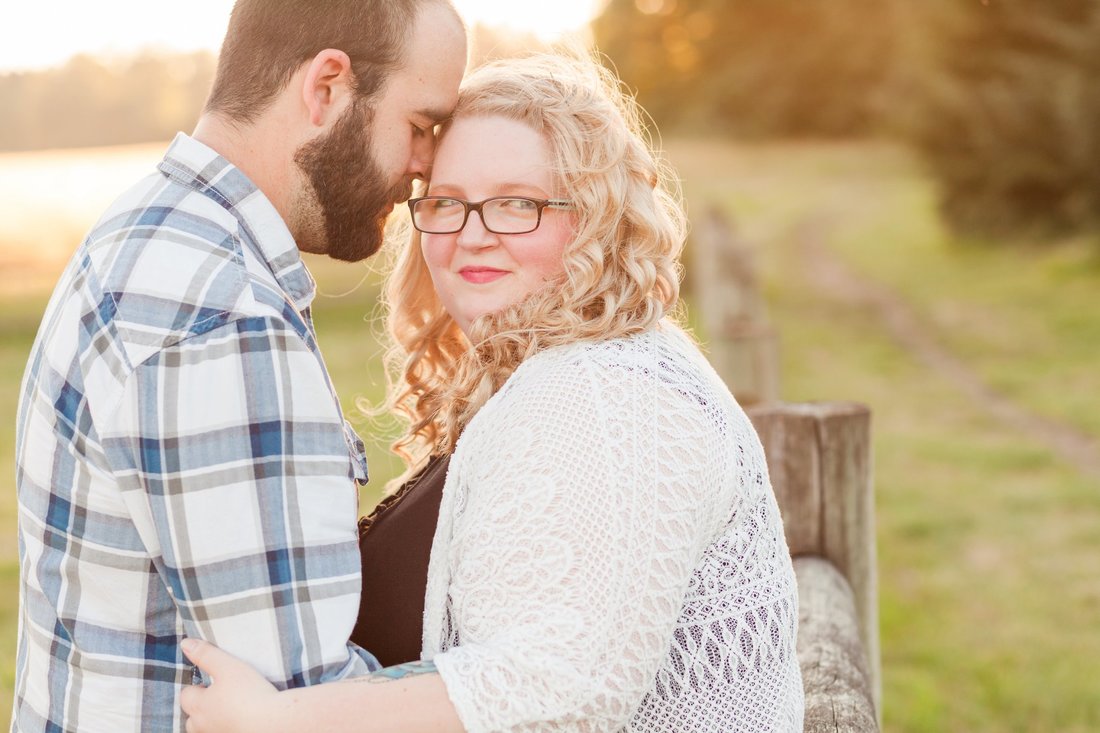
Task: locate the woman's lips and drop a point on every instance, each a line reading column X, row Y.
column 481, row 274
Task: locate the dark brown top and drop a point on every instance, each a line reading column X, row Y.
column 395, row 542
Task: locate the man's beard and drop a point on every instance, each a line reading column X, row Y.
column 345, row 217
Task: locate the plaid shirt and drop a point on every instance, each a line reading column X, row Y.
column 183, row 467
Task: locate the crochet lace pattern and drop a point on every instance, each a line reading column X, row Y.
column 610, row 556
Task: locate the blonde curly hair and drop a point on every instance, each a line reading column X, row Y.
column 621, row 274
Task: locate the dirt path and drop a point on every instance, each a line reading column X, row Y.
column 838, row 281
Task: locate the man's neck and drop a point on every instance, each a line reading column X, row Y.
column 260, row 150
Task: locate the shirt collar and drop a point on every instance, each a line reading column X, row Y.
column 193, row 164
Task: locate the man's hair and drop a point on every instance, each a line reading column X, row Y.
column 268, row 40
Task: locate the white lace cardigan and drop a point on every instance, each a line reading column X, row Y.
column 609, row 554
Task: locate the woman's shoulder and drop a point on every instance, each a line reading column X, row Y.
column 662, row 361
column 637, row 353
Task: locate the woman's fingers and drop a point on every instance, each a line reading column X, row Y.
column 189, row 701
column 238, row 699
column 212, row 660
column 194, row 650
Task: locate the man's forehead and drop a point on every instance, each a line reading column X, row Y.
column 434, row 63
column 436, row 35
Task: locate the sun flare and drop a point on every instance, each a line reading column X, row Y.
column 31, row 37
column 547, row 22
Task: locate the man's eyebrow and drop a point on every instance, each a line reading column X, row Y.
column 436, row 115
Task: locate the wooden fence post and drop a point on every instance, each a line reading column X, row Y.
column 743, row 345
column 819, row 460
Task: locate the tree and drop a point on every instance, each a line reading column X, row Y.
column 89, row 102
column 1002, row 99
column 753, row 67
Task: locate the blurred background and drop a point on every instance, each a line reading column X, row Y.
column 915, row 186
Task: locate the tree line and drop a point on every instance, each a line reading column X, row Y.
column 89, row 101
column 145, row 98
column 1000, row 97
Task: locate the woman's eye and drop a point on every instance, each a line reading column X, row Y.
column 518, row 204
column 445, row 204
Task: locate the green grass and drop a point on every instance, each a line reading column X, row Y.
column 987, row 543
column 347, row 317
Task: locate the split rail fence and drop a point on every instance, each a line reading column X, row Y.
column 819, row 460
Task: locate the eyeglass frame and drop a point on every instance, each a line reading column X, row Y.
column 469, row 206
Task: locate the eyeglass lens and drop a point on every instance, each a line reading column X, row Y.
column 501, row 215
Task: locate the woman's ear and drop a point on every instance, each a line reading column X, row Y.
column 328, row 86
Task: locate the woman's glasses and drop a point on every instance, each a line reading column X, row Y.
column 500, row 214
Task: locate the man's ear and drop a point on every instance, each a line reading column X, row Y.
column 327, row 86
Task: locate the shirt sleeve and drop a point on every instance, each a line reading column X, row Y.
column 242, row 488
column 580, row 527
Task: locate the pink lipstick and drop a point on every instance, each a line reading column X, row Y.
column 481, row 275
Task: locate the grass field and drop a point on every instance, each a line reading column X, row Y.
column 988, row 544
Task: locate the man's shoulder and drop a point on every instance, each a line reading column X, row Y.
column 169, row 259
column 160, row 222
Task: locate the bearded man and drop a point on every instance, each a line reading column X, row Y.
column 183, row 466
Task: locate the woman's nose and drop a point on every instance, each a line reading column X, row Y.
column 474, row 235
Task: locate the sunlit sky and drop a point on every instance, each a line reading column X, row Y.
column 36, row 35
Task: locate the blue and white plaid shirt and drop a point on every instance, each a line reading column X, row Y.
column 183, row 467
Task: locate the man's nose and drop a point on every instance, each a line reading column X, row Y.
column 422, row 154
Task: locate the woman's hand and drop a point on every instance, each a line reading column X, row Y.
column 408, row 697
column 238, row 699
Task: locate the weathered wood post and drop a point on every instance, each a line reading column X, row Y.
column 743, row 345
column 819, row 459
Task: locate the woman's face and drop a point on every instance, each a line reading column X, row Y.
column 476, row 271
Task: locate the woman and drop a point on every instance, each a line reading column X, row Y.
column 608, row 555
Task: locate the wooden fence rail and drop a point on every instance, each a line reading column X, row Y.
column 819, row 460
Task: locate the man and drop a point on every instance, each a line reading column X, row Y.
column 183, row 467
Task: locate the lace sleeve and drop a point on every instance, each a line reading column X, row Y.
column 582, row 518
